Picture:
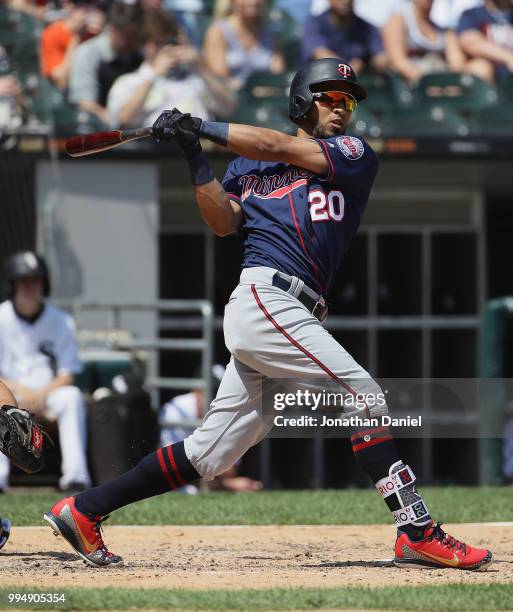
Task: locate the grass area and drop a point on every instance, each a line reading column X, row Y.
column 441, row 597
column 348, row 507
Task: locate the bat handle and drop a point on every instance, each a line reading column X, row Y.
column 143, row 132
column 138, row 133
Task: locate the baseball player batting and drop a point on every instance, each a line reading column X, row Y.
column 298, row 202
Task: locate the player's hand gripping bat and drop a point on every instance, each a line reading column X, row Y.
column 88, row 144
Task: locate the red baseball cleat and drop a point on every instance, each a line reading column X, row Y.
column 439, row 549
column 83, row 533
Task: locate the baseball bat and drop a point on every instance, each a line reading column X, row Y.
column 88, row 144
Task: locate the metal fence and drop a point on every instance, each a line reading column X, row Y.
column 156, row 345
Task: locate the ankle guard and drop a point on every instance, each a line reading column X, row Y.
column 400, row 495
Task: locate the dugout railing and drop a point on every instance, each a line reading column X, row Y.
column 203, row 311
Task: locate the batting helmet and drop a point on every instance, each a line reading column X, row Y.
column 320, row 75
column 25, row 264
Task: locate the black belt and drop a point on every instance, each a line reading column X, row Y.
column 318, row 309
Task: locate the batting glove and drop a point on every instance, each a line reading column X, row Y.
column 180, row 128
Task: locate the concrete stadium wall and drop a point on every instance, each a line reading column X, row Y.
column 98, row 226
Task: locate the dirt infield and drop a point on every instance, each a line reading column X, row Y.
column 242, row 557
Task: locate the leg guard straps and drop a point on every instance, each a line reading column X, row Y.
column 400, row 495
column 396, row 481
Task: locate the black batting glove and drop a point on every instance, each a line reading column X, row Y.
column 187, row 134
column 181, row 128
column 163, row 128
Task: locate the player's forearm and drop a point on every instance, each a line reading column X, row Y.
column 216, row 208
column 248, row 141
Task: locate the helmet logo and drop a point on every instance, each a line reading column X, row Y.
column 344, row 70
column 30, row 260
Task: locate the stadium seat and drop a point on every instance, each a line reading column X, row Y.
column 288, row 33
column 264, row 101
column 19, row 36
column 49, row 107
column 425, row 119
column 266, row 85
column 506, row 88
column 496, row 122
column 17, row 22
column 466, row 93
column 291, row 49
column 365, row 123
column 385, row 91
column 401, row 89
column 266, row 114
column 209, row 6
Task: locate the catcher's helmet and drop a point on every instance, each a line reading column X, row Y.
column 25, row 264
column 319, row 75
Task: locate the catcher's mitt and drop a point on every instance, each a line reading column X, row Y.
column 21, row 439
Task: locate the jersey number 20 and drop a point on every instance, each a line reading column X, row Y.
column 325, row 207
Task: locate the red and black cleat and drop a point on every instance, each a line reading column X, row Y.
column 439, row 549
column 82, row 532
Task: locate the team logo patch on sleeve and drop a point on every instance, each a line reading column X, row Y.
column 350, row 146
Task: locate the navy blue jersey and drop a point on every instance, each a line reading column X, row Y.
column 296, row 221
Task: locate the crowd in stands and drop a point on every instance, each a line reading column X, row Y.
column 119, row 62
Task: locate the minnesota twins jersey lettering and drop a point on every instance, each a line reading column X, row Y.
column 298, row 222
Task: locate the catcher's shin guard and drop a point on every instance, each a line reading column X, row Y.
column 82, row 532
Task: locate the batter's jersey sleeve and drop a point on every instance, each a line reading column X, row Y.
column 351, row 161
column 231, row 181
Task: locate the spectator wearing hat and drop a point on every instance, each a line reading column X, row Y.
column 39, row 361
column 98, row 62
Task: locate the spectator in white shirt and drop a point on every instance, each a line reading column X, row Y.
column 171, row 75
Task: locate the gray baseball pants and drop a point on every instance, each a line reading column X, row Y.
column 270, row 334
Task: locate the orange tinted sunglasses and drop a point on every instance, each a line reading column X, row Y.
column 336, row 98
